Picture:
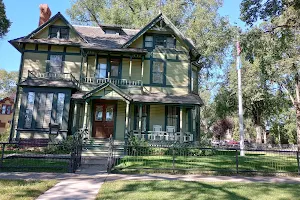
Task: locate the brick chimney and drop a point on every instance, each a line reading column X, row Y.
column 45, row 14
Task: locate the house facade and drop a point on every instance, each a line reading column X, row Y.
column 109, row 80
column 6, row 112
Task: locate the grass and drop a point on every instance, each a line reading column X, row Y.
column 221, row 161
column 181, row 190
column 34, row 165
column 23, row 190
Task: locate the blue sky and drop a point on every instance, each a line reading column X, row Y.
column 24, row 15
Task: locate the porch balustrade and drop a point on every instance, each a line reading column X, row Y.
column 119, row 82
column 53, row 76
column 165, row 136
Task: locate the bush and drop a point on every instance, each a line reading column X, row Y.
column 4, row 137
column 63, row 147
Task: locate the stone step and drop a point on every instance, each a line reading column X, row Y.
column 94, row 161
column 100, row 154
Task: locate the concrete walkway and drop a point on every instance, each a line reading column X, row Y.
column 84, row 185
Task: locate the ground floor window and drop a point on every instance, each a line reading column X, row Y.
column 173, row 117
column 43, row 108
column 145, row 115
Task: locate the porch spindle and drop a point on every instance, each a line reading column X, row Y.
column 140, row 120
column 142, row 72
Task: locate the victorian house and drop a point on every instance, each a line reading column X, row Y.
column 111, row 80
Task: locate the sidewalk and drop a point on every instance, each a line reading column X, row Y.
column 85, row 185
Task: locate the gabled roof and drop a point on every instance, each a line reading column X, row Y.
column 105, row 85
column 11, row 100
column 176, row 31
column 53, row 19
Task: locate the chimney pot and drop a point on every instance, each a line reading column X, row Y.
column 45, row 14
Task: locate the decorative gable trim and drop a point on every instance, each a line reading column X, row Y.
column 176, row 31
column 51, row 20
column 105, row 85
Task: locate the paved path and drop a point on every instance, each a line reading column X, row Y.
column 86, row 185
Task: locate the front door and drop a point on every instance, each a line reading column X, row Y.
column 103, row 120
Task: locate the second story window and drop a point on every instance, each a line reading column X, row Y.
column 59, row 32
column 114, row 68
column 55, row 63
column 194, row 81
column 6, row 109
column 149, row 41
column 158, row 72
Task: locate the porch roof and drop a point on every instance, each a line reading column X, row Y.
column 187, row 99
column 191, row 99
column 48, row 83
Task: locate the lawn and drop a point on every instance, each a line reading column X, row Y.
column 181, row 190
column 221, row 161
column 34, row 165
column 21, row 189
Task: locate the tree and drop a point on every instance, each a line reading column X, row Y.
column 4, row 22
column 197, row 19
column 8, row 81
column 275, row 45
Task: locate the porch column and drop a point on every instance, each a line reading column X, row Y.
column 142, row 72
column 180, row 124
column 140, row 120
column 85, row 115
column 130, row 67
column 75, row 117
column 127, row 120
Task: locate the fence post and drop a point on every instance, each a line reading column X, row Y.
column 237, row 161
column 173, row 159
column 298, row 162
column 71, row 166
column 2, row 155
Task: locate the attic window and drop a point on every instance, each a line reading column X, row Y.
column 112, row 31
column 59, row 32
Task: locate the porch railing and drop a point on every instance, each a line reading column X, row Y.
column 53, row 76
column 119, row 82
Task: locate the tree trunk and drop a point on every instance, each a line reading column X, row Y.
column 265, row 136
column 298, row 126
column 258, row 129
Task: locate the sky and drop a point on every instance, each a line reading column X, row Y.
column 24, row 15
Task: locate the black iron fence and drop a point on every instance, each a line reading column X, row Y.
column 63, row 156
column 192, row 159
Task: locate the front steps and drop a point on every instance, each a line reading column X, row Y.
column 96, row 152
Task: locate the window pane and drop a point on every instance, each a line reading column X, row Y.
column 114, row 69
column 48, row 110
column 55, row 64
column 149, row 41
column 160, row 42
column 158, row 66
column 195, row 81
column 109, row 113
column 157, row 78
column 8, row 110
column 41, row 110
column 172, row 117
column 101, row 70
column 99, row 113
column 60, row 107
column 3, row 109
column 29, row 109
column 170, row 42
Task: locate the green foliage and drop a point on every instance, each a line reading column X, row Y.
column 4, row 22
column 8, row 83
column 63, row 147
column 4, row 137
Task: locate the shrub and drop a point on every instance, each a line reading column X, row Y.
column 4, row 137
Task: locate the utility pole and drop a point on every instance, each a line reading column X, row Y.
column 240, row 98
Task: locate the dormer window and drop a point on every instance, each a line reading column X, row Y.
column 113, row 32
column 59, row 32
